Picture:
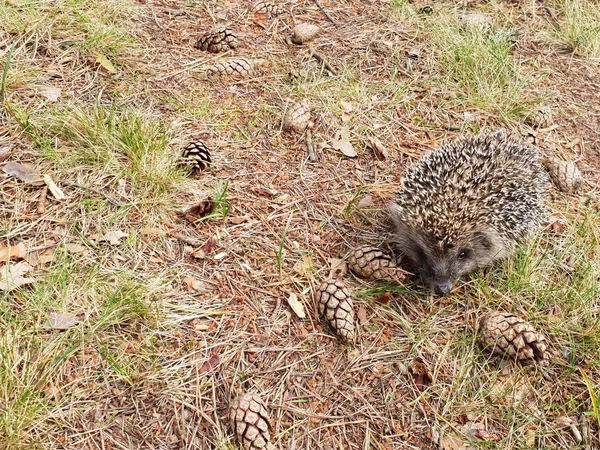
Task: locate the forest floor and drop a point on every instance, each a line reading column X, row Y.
column 126, row 325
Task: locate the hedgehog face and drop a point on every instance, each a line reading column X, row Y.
column 440, row 263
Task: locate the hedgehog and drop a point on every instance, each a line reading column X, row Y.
column 466, row 205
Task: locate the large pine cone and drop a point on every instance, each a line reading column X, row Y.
column 196, row 155
column 250, row 421
column 241, row 68
column 269, row 8
column 508, row 334
column 373, row 264
column 565, row 175
column 335, row 305
column 297, row 117
column 217, row 41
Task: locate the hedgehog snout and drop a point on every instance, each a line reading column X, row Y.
column 443, row 288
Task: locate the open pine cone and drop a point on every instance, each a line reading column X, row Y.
column 250, row 421
column 335, row 305
column 564, row 174
column 196, row 155
column 241, row 68
column 373, row 264
column 217, row 41
column 510, row 335
column 269, row 8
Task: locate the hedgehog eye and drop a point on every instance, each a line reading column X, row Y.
column 464, row 253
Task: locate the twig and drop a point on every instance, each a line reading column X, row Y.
column 325, row 13
column 321, row 59
column 310, row 148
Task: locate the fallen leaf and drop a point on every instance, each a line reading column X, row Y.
column 380, row 151
column 15, row 251
column 366, row 202
column 343, row 144
column 150, row 231
column 420, row 373
column 105, row 62
column 23, row 172
column 210, row 364
column 114, row 237
column 194, row 284
column 453, row 442
column 76, row 248
column 304, row 266
column 4, row 152
column 199, row 210
column 206, row 249
column 296, row 305
column 260, row 19
column 62, row 321
column 220, row 256
column 12, row 276
column 384, row 299
column 51, row 93
column 338, row 268
column 41, row 258
column 361, row 313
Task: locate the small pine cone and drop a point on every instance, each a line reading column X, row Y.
column 196, row 155
column 508, row 334
column 240, row 68
column 217, row 41
column 269, row 8
column 373, row 264
column 565, row 175
column 540, row 118
column 304, row 32
column 297, row 117
column 335, row 305
column 250, row 421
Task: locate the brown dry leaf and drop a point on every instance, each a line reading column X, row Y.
column 194, row 284
column 199, row 210
column 15, row 251
column 366, row 202
column 41, row 258
column 76, row 248
column 296, row 305
column 453, row 442
column 51, row 93
column 384, row 299
column 12, row 276
column 206, row 249
column 150, row 231
column 210, row 364
column 62, row 321
column 4, row 152
column 380, row 151
column 420, row 373
column 361, row 313
column 23, row 172
column 114, row 237
column 343, row 144
column 260, row 19
column 339, row 268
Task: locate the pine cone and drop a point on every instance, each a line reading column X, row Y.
column 508, row 334
column 297, row 117
column 565, row 175
column 250, row 421
column 335, row 305
column 373, row 264
column 240, row 68
column 304, row 32
column 217, row 41
column 540, row 118
column 269, row 8
column 196, row 155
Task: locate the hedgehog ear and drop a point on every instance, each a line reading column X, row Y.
column 482, row 239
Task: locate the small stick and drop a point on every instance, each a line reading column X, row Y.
column 325, row 13
column 321, row 59
column 310, row 148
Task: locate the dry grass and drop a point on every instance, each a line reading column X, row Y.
column 155, row 363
